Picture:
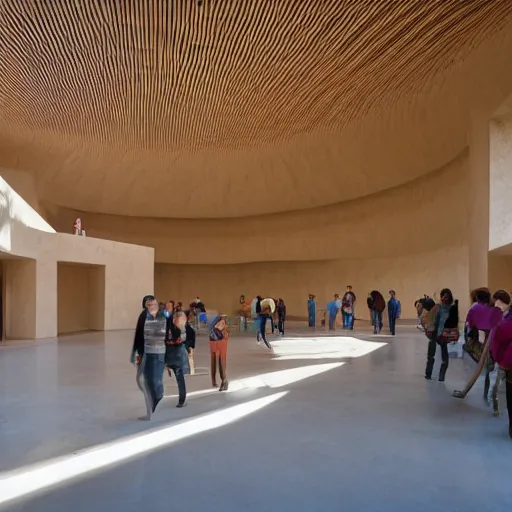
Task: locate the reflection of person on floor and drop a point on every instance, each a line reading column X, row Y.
column 376, row 305
column 281, row 315
column 176, row 354
column 149, row 353
column 332, row 310
column 394, row 311
column 219, row 336
column 311, row 311
column 444, row 330
column 501, row 348
column 348, row 304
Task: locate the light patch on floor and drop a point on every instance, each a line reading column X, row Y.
column 24, row 481
column 271, row 380
column 332, row 347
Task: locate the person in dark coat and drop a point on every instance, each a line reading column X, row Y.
column 281, row 315
column 148, row 353
column 376, row 305
column 176, row 353
column 394, row 311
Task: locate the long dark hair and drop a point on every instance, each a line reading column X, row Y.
column 447, row 291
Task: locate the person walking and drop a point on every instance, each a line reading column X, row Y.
column 376, row 305
column 497, row 375
column 176, row 354
column 501, row 349
column 266, row 310
column 311, row 311
column 332, row 309
column 219, row 337
column 281, row 315
column 348, row 308
column 244, row 312
column 444, row 331
column 394, row 311
column 481, row 317
column 148, row 353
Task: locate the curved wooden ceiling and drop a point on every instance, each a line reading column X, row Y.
column 170, row 109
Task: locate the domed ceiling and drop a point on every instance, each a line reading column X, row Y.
column 227, row 108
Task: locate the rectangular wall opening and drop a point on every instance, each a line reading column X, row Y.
column 81, row 297
column 18, row 276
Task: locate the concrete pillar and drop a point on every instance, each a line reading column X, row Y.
column 46, row 303
column 478, row 200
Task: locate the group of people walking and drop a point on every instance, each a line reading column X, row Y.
column 346, row 305
column 487, row 340
column 165, row 339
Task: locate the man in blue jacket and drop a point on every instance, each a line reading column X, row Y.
column 394, row 310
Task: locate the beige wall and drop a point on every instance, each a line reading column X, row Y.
column 20, row 298
column 219, row 286
column 426, row 213
column 501, row 183
column 81, row 298
column 129, row 269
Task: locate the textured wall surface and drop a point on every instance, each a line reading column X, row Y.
column 241, row 108
column 129, row 269
column 501, row 184
column 259, row 147
column 411, row 276
column 20, row 298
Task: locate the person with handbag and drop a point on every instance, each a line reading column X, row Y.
column 445, row 330
column 176, row 353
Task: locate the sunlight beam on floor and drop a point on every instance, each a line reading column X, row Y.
column 335, row 347
column 24, row 481
column 271, row 380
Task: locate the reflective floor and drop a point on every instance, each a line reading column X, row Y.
column 326, row 422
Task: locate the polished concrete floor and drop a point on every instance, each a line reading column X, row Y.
column 297, row 431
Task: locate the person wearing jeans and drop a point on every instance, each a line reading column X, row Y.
column 264, row 316
column 149, row 353
column 394, row 310
column 376, row 305
column 348, row 304
column 332, row 309
column 446, row 319
column 311, row 311
column 176, row 354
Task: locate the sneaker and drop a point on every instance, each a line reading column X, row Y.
column 181, row 404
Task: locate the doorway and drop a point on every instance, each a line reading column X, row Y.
column 80, row 297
